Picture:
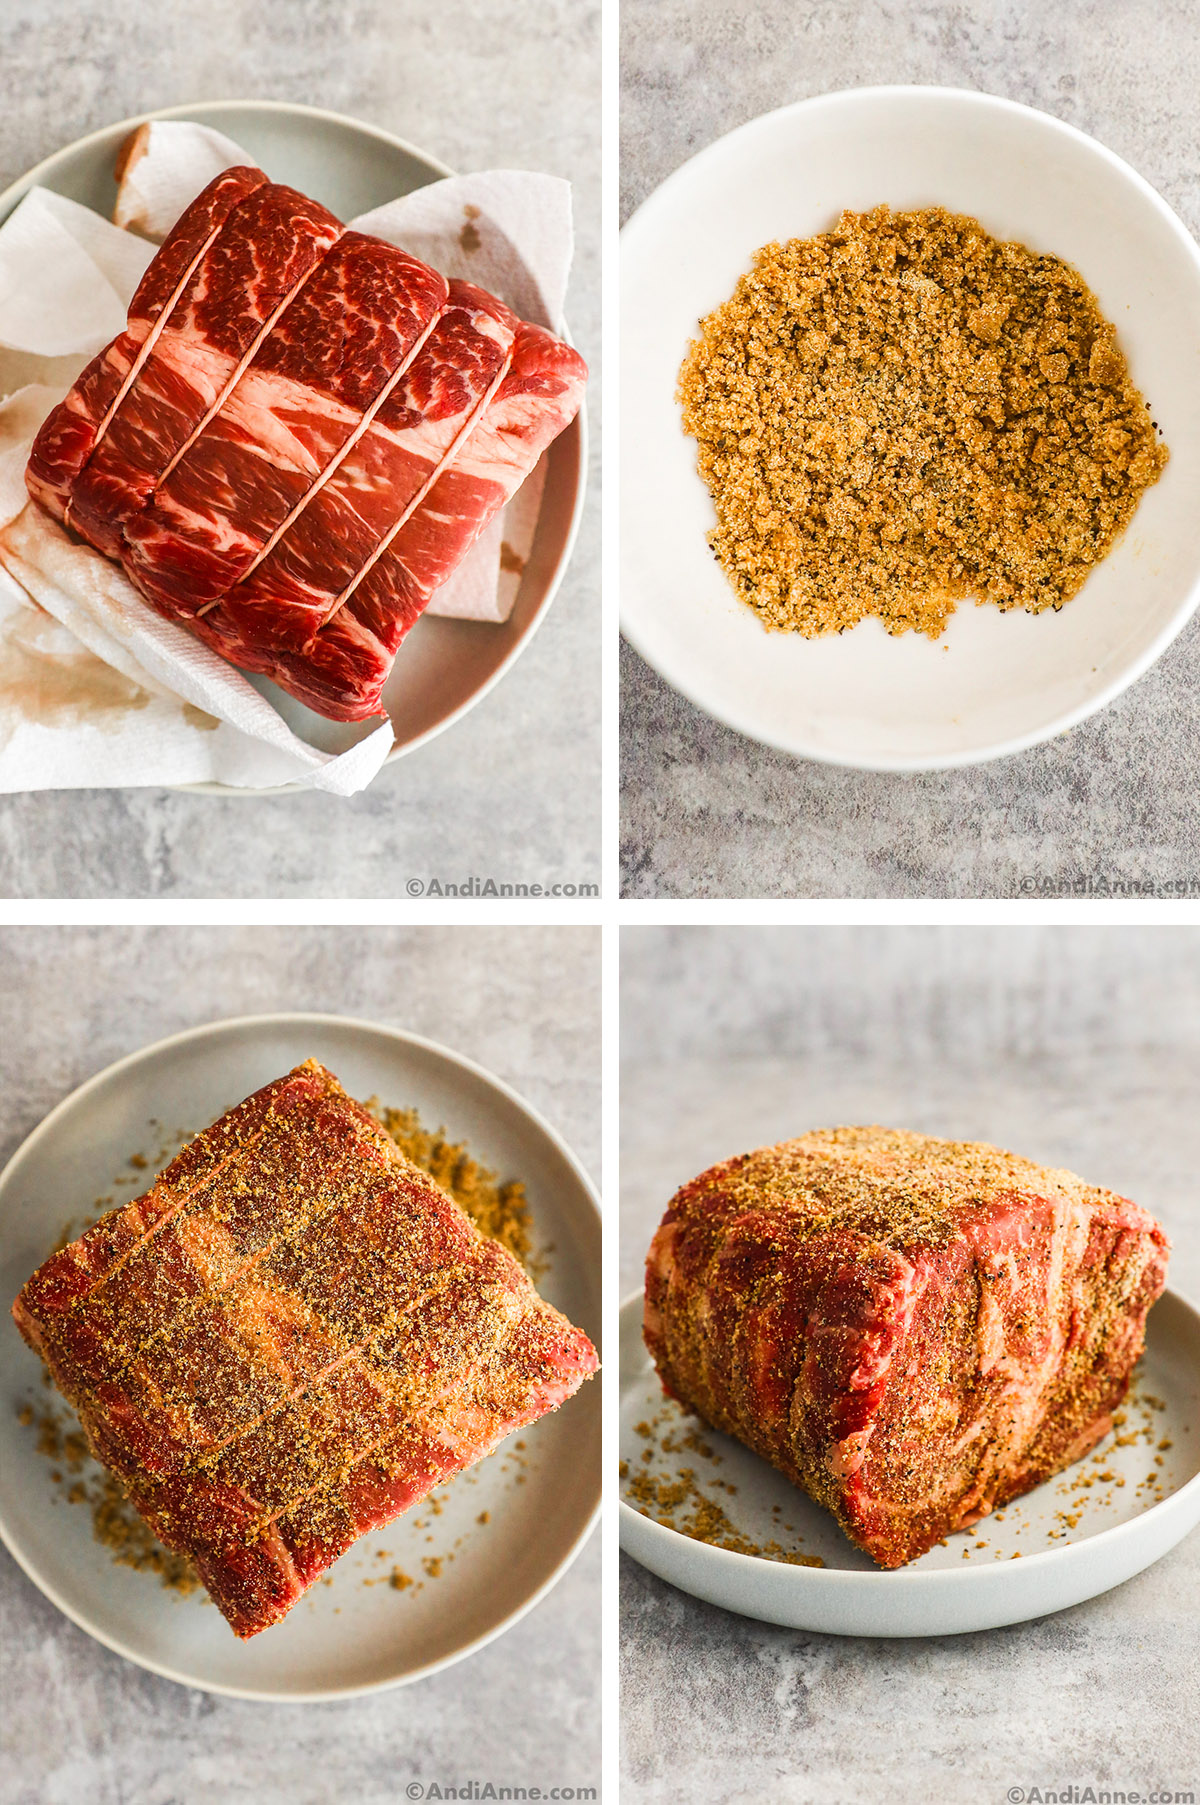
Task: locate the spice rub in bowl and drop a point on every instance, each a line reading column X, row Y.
column 904, row 413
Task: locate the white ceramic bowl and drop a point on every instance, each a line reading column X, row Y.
column 995, row 682
column 344, row 1637
column 973, row 1583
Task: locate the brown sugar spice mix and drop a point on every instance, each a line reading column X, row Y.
column 904, row 413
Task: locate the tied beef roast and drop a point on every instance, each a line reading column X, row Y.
column 913, row 1330
column 298, row 437
column 289, row 1340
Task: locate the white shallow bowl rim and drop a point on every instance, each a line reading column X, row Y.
column 319, row 1018
column 945, row 1579
column 1137, row 668
column 188, row 110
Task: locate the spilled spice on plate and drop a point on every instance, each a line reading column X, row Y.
column 904, row 413
column 115, row 1523
column 678, row 1501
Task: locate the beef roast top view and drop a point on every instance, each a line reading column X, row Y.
column 290, row 1339
column 299, row 435
column 913, row 1330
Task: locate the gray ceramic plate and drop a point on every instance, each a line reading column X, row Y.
column 446, row 666
column 1074, row 1540
column 348, row 1636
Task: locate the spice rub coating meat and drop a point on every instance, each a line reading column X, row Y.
column 914, row 1330
column 290, row 1339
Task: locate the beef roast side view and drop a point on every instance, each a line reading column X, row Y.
column 299, row 436
column 290, row 1339
column 913, row 1330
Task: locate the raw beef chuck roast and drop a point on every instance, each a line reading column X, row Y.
column 298, row 437
column 913, row 1330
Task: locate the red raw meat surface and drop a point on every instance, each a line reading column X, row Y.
column 351, row 328
column 299, row 436
column 289, row 1340
column 268, row 246
column 356, row 645
column 68, row 437
column 387, row 473
column 915, row 1331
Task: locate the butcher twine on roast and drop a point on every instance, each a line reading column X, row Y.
column 299, row 436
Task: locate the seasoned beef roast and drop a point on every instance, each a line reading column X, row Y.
column 289, row 1340
column 913, row 1330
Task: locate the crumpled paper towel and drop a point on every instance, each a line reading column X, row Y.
column 66, row 278
column 164, row 167
column 98, row 690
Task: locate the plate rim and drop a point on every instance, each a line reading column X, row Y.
column 939, row 1581
column 793, row 746
column 16, row 191
column 326, row 1695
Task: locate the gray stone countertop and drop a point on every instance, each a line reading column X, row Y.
column 510, row 792
column 80, row 1725
column 1073, row 1047
column 708, row 813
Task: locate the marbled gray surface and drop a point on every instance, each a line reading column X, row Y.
column 511, row 791
column 708, row 813
column 81, row 1726
column 1074, row 1046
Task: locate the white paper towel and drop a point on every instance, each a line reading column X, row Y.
column 66, row 276
column 124, row 696
column 167, row 164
